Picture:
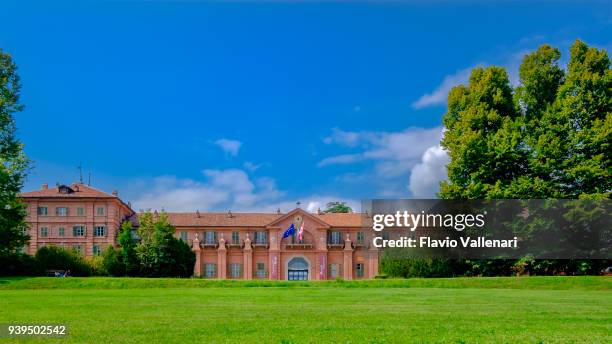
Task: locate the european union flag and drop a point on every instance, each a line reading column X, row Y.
column 289, row 231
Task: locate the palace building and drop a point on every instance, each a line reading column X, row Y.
column 227, row 245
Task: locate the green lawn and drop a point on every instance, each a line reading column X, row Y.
column 483, row 310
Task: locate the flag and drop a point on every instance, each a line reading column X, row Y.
column 301, row 232
column 289, row 231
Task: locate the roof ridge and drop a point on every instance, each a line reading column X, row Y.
column 92, row 188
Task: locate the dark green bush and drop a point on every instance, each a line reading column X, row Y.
column 112, row 262
column 58, row 258
column 18, row 264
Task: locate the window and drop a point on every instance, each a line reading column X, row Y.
column 77, row 247
column 235, row 238
column 96, row 250
column 44, row 232
column 100, row 211
column 78, row 231
column 235, row 270
column 334, row 271
column 385, row 235
column 261, row 270
column 359, row 267
column 334, row 238
column 61, row 211
column 210, row 238
column 100, row 231
column 210, row 270
column 184, row 236
column 42, row 211
column 80, row 211
column 360, row 237
column 261, row 238
column 61, row 231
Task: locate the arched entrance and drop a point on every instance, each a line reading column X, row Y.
column 297, row 269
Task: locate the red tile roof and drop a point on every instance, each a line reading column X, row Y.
column 80, row 191
column 254, row 219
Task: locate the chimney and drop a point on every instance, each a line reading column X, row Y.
column 115, row 193
column 45, row 186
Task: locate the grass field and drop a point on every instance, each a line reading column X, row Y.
column 461, row 310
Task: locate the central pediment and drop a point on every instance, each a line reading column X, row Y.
column 297, row 215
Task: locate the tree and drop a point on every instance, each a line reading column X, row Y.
column 13, row 162
column 127, row 254
column 122, row 261
column 572, row 141
column 548, row 138
column 483, row 139
column 159, row 252
column 338, row 207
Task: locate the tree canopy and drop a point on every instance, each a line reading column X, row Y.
column 549, row 137
column 337, row 207
column 13, row 162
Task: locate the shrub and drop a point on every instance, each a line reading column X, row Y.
column 184, row 258
column 18, row 264
column 113, row 262
column 58, row 258
column 396, row 264
column 96, row 263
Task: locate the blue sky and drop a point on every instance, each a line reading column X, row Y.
column 255, row 105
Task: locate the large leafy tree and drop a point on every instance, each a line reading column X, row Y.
column 548, row 138
column 572, row 151
column 159, row 252
column 13, row 162
column 483, row 138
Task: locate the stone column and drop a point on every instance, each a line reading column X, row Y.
column 197, row 269
column 89, row 229
column 373, row 262
column 222, row 259
column 322, row 265
column 322, row 255
column 348, row 258
column 247, row 254
column 274, row 265
column 274, row 256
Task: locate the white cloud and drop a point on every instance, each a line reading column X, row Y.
column 340, row 159
column 394, row 153
column 228, row 146
column 311, row 204
column 395, row 156
column 425, row 176
column 439, row 95
column 232, row 189
column 344, row 138
column 221, row 190
column 251, row 167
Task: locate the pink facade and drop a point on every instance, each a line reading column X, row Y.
column 76, row 216
column 251, row 246
column 227, row 245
